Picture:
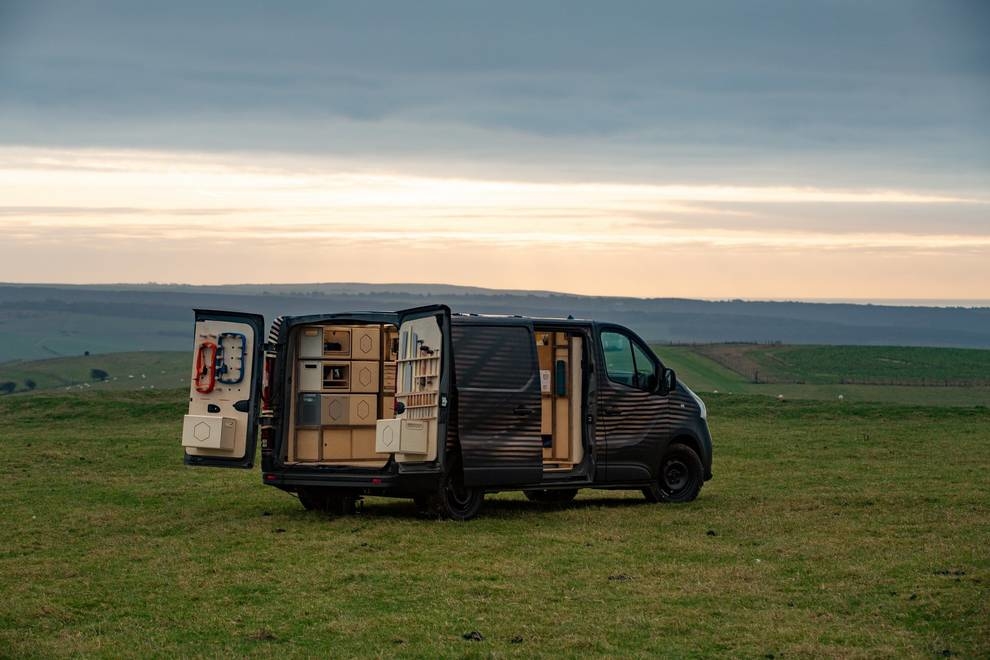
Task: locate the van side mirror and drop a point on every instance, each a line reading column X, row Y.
column 666, row 382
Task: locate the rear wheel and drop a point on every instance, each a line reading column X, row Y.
column 551, row 496
column 454, row 500
column 680, row 478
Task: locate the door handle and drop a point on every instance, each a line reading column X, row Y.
column 611, row 412
column 523, row 411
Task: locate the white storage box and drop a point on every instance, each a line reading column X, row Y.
column 406, row 436
column 311, row 342
column 208, row 432
column 310, row 376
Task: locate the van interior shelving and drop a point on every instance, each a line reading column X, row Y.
column 561, row 382
column 345, row 382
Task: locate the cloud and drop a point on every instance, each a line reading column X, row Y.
column 887, row 93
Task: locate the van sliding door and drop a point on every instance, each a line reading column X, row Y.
column 498, row 404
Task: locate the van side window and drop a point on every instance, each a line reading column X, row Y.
column 626, row 362
column 644, row 367
column 619, row 362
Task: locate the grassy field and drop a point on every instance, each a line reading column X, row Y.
column 129, row 371
column 705, row 374
column 841, row 530
column 169, row 369
column 867, row 365
column 56, row 332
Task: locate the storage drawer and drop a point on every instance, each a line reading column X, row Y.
column 337, row 342
column 407, row 436
column 364, row 376
column 311, row 342
column 208, row 432
column 349, row 409
column 308, row 409
column 336, row 444
column 309, row 375
column 307, row 445
column 315, row 409
column 363, row 444
column 366, row 343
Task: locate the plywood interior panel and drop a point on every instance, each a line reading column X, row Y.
column 559, row 355
column 339, row 372
column 306, row 448
column 366, row 343
column 336, row 444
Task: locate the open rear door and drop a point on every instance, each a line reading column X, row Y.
column 422, row 383
column 498, row 403
column 221, row 429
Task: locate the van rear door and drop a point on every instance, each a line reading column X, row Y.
column 221, row 427
column 498, row 403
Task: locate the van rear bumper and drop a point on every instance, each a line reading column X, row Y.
column 381, row 483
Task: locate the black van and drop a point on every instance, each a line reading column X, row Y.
column 441, row 408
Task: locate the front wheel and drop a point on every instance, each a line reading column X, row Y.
column 680, row 478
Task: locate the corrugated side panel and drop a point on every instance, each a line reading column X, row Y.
column 498, row 404
column 639, row 425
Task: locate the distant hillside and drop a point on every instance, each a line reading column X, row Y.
column 113, row 371
column 38, row 321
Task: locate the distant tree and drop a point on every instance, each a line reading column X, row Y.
column 30, row 384
column 86, row 353
column 98, row 374
column 8, row 387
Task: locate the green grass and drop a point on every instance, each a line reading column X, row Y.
column 169, row 369
column 54, row 332
column 128, row 371
column 882, row 365
column 704, row 374
column 852, row 530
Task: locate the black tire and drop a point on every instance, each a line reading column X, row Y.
column 454, row 500
column 680, row 477
column 551, row 496
column 425, row 505
column 309, row 499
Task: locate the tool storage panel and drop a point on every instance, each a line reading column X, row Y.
column 340, row 373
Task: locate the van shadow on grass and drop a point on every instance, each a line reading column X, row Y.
column 386, row 508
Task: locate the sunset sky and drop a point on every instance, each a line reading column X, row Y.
column 750, row 150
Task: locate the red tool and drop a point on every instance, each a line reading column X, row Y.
column 205, row 377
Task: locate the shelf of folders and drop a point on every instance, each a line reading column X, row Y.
column 418, row 377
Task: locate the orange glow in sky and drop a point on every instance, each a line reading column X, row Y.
column 88, row 216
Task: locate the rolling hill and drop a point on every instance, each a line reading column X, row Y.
column 38, row 321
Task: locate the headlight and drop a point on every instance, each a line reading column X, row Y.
column 701, row 404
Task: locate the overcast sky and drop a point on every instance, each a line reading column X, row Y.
column 757, row 149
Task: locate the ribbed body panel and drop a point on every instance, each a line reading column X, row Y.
column 636, row 426
column 498, row 404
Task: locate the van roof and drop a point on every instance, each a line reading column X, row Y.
column 468, row 317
